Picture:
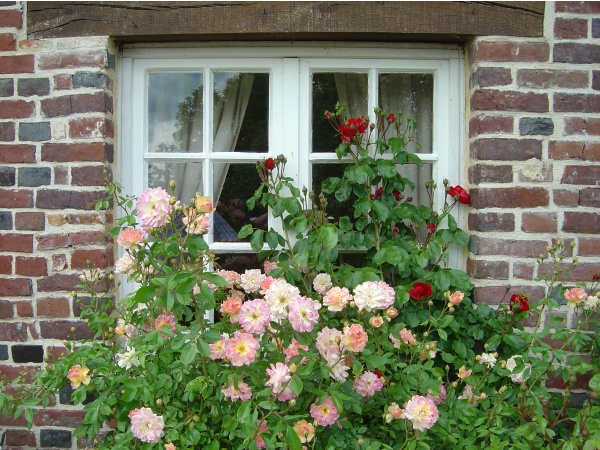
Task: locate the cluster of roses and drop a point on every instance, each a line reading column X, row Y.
column 155, row 208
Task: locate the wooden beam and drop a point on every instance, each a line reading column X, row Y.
column 266, row 20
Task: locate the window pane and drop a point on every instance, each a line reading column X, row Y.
column 234, row 184
column 239, row 262
column 327, row 90
column 175, row 112
column 241, row 112
column 419, row 176
column 411, row 93
column 187, row 176
column 335, row 208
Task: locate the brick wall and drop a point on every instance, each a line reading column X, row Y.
column 533, row 161
column 56, row 138
column 534, row 150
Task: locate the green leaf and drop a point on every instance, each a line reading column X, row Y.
column 257, row 240
column 245, row 231
column 292, row 439
column 387, row 168
column 272, row 239
column 343, row 191
column 595, row 383
column 203, row 347
column 188, row 354
column 381, row 210
column 328, row 236
column 296, row 385
column 330, row 184
column 514, row 341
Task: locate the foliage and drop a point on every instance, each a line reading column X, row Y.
column 387, row 353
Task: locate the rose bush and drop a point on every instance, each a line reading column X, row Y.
column 354, row 334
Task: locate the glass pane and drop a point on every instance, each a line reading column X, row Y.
column 239, row 262
column 412, row 94
column 327, row 90
column 419, row 176
column 335, row 208
column 175, row 112
column 234, row 184
column 241, row 112
column 187, row 176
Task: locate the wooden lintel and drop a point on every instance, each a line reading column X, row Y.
column 292, row 20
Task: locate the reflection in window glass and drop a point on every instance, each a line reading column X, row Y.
column 175, row 112
column 188, row 178
column 327, row 90
column 411, row 93
column 239, row 262
column 240, row 112
column 234, row 184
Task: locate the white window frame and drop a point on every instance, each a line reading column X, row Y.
column 290, row 67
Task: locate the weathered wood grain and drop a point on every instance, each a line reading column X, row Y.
column 231, row 20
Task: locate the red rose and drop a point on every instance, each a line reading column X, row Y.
column 459, row 194
column 519, row 303
column 596, row 277
column 378, row 192
column 378, row 373
column 419, row 290
column 269, row 164
column 354, row 126
column 390, row 118
column 396, row 193
column 431, row 228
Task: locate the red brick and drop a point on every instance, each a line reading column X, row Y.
column 511, row 247
column 584, row 175
column 582, row 125
column 96, row 151
column 11, row 18
column 16, row 64
column 590, row 197
column 8, row 42
column 59, row 262
column 580, row 103
column 581, row 222
column 495, row 149
column 15, row 287
column 494, row 100
column 63, row 82
column 591, row 151
column 58, row 282
column 97, row 258
column 544, row 79
column 58, row 418
column 88, row 238
column 495, row 295
column 585, row 7
column 61, row 199
column 5, row 264
column 90, row 127
column 566, row 149
column 588, row 247
column 56, row 60
column 483, row 124
column 16, row 109
column 523, row 270
column 557, row 382
column 76, row 104
column 6, row 309
column 487, row 173
column 30, row 221
column 16, row 331
column 490, row 76
column 52, row 241
column 576, row 53
column 34, row 267
column 539, row 222
column 20, row 438
column 61, row 175
column 480, row 269
column 17, row 198
column 509, row 197
column 24, row 309
column 565, row 197
column 63, row 329
column 19, row 153
column 512, row 51
column 12, row 242
column 88, row 176
column 12, row 372
column 53, row 307
column 570, row 28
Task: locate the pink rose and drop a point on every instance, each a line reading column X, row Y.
column 130, row 237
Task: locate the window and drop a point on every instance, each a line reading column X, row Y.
column 204, row 116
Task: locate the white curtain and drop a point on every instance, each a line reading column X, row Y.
column 229, row 110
